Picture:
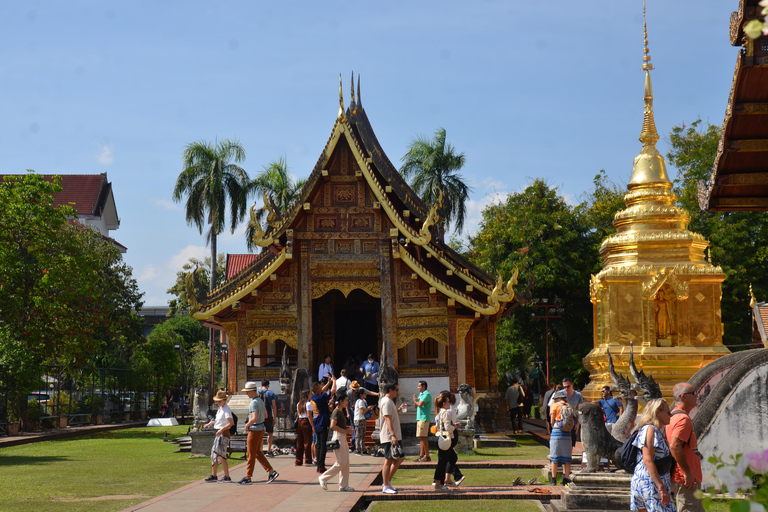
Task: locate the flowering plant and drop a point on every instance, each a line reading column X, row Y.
column 756, row 28
column 747, row 474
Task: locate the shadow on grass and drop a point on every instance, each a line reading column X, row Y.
column 25, row 460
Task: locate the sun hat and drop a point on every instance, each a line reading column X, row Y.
column 220, row 396
column 559, row 394
column 355, row 385
column 250, row 386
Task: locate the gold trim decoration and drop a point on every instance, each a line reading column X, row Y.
column 289, row 336
column 666, row 275
column 408, row 334
column 491, row 308
column 253, row 282
column 231, row 329
column 462, row 328
column 320, row 288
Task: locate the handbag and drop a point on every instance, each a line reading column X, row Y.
column 443, row 439
column 397, row 451
column 332, row 445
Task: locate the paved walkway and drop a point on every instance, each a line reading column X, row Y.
column 295, row 488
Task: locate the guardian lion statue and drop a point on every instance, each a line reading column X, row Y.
column 465, row 409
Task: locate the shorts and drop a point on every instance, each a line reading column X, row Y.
column 269, row 425
column 314, row 437
column 387, row 450
column 422, row 428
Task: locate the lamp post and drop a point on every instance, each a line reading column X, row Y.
column 225, row 365
column 183, row 378
column 554, row 310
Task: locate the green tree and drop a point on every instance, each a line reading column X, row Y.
column 210, row 180
column 738, row 240
column 282, row 190
column 66, row 297
column 539, row 233
column 598, row 210
column 181, row 303
column 432, row 166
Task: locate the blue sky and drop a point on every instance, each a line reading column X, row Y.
column 524, row 89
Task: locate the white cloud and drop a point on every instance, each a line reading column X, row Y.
column 148, row 273
column 180, row 258
column 166, row 204
column 106, row 153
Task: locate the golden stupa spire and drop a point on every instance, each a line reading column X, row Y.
column 341, row 100
column 649, row 165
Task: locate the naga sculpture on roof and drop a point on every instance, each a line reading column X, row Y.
column 259, row 237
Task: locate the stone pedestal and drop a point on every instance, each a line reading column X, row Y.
column 202, row 441
column 238, row 404
column 596, row 491
column 465, row 443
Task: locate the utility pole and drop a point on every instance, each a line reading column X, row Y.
column 548, row 311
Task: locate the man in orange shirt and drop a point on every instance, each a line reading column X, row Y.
column 686, row 477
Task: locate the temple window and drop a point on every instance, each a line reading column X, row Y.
column 426, row 350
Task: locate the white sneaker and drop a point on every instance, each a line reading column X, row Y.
column 323, row 484
column 388, row 489
column 346, row 489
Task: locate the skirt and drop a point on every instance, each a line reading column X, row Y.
column 560, row 449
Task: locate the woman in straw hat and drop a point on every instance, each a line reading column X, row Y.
column 222, row 424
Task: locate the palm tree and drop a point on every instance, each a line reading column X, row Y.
column 282, row 190
column 209, row 180
column 432, row 165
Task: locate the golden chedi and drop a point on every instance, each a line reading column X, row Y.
column 656, row 290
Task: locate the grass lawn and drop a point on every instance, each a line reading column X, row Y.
column 456, row 506
column 58, row 475
column 526, row 449
column 474, row 476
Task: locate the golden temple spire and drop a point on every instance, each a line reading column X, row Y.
column 649, row 164
column 352, row 87
column 752, row 298
column 341, row 100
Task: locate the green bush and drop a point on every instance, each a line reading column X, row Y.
column 34, row 410
column 61, row 405
column 536, row 412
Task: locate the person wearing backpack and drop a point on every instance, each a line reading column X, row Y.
column 686, row 475
column 650, row 489
column 223, row 422
column 562, row 417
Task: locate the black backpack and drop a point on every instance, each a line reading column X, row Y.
column 233, row 428
column 629, row 453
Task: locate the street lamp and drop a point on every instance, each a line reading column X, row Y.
column 183, row 378
column 548, row 311
column 225, row 364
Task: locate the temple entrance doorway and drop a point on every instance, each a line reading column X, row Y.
column 346, row 328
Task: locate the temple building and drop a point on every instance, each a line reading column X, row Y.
column 656, row 292
column 354, row 267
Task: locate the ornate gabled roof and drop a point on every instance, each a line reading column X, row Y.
column 412, row 238
column 739, row 179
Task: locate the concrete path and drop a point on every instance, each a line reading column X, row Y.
column 295, row 489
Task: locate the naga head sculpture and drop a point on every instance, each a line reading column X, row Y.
column 620, row 381
column 643, row 383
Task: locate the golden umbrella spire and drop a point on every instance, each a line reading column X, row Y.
column 649, row 164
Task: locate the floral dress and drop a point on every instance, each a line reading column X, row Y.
column 643, row 490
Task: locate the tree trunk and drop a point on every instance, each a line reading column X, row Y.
column 213, row 260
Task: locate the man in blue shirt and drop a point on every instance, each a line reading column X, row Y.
column 611, row 408
column 268, row 397
column 370, row 370
column 320, row 397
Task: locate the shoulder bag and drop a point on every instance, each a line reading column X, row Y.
column 443, row 438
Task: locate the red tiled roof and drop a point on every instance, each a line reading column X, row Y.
column 237, row 262
column 84, row 190
column 87, row 191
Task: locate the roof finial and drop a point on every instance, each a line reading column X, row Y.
column 359, row 98
column 649, row 136
column 341, row 100
column 647, row 66
column 752, row 298
column 352, row 87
